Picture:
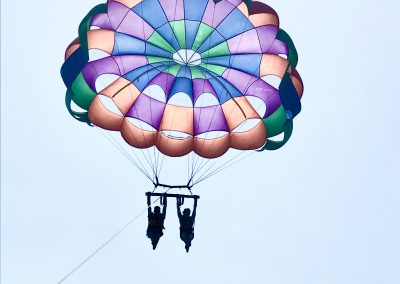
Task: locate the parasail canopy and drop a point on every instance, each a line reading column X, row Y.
column 185, row 76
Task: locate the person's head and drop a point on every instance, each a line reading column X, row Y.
column 157, row 210
column 186, row 212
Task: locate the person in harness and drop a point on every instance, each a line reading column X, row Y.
column 186, row 222
column 156, row 221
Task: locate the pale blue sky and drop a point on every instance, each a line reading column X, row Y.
column 324, row 209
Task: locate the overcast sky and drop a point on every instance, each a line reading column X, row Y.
column 324, row 209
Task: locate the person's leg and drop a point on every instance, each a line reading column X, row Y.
column 187, row 237
column 148, row 232
column 159, row 232
column 154, row 234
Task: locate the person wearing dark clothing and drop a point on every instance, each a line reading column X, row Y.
column 156, row 221
column 186, row 222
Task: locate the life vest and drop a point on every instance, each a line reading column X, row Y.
column 156, row 219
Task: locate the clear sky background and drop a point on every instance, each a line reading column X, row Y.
column 324, row 209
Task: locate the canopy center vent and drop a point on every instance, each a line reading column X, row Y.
column 187, row 57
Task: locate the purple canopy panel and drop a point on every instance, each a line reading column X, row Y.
column 239, row 79
column 267, row 93
column 127, row 63
column 102, row 21
column 278, row 47
column 216, row 13
column 174, row 10
column 247, row 42
column 164, row 80
column 135, row 26
column 148, row 110
column 201, row 86
column 116, row 13
column 210, row 118
column 266, row 35
column 94, row 69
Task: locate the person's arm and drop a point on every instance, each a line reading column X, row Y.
column 164, row 210
column 148, row 205
column 194, row 209
column 178, row 208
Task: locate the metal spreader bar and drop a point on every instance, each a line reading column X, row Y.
column 172, row 195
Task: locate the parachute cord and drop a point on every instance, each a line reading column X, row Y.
column 207, row 173
column 140, row 167
column 150, row 163
column 223, row 167
column 203, row 162
column 121, row 148
column 208, row 170
column 161, row 165
column 116, row 234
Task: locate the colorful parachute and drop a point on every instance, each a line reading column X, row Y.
column 185, row 75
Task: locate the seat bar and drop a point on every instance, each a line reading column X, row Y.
column 172, row 195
